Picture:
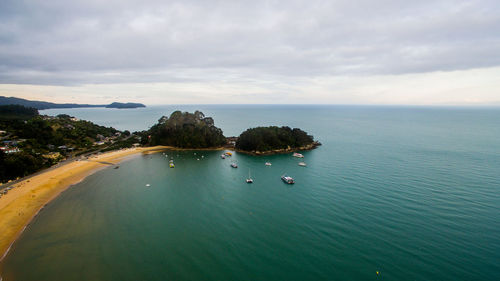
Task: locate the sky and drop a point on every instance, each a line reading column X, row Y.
column 251, row 52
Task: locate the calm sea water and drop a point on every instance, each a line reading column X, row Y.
column 412, row 193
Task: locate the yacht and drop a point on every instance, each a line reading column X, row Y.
column 268, row 164
column 287, row 179
column 303, row 164
column 249, row 179
column 298, row 155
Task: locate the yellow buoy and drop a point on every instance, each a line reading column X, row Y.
column 377, row 272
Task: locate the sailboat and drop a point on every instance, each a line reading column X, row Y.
column 249, row 179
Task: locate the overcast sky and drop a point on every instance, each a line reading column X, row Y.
column 194, row 51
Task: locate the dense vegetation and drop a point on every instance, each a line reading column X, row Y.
column 273, row 138
column 12, row 111
column 20, row 164
column 186, row 130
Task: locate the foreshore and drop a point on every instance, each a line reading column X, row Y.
column 27, row 197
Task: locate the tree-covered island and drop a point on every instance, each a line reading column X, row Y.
column 186, row 130
column 273, row 139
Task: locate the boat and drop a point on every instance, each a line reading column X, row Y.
column 234, row 165
column 148, row 185
column 172, row 165
column 268, row 164
column 303, row 164
column 287, row 179
column 298, row 155
column 228, row 153
column 223, row 156
column 249, row 179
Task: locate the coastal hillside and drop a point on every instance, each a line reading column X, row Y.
column 274, row 139
column 40, row 105
column 186, row 130
column 30, row 142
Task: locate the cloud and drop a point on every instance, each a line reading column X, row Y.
column 75, row 42
column 193, row 51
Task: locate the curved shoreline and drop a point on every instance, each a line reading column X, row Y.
column 28, row 197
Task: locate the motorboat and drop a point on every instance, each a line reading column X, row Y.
column 287, row 179
column 298, row 155
column 249, row 179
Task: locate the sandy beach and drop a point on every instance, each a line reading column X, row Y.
column 27, row 198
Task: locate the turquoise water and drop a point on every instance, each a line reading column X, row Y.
column 410, row 192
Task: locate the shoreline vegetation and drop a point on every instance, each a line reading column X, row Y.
column 282, row 150
column 28, row 197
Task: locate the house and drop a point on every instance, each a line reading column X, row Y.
column 8, row 150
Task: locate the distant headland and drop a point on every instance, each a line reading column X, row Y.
column 40, row 105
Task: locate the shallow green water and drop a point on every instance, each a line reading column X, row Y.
column 410, row 192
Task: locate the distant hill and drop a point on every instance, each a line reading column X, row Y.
column 125, row 105
column 40, row 105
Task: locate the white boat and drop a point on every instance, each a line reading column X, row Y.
column 234, row 165
column 148, row 185
column 298, row 155
column 303, row 164
column 249, row 179
column 268, row 164
column 223, row 156
column 287, row 179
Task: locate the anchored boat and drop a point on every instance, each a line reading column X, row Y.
column 249, row 179
column 287, row 179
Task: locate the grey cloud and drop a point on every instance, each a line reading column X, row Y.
column 82, row 41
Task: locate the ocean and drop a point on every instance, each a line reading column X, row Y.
column 394, row 193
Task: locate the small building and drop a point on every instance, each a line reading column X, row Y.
column 8, row 150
